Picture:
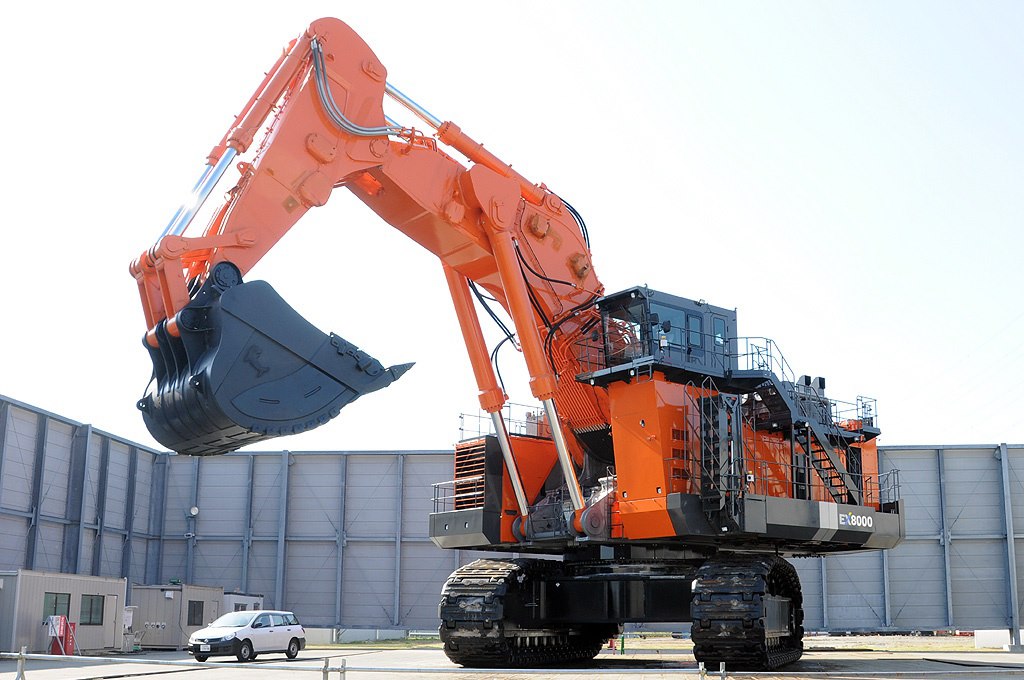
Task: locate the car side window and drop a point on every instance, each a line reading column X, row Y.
column 278, row 620
column 262, row 621
column 291, row 619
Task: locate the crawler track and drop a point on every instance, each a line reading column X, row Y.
column 475, row 604
column 729, row 612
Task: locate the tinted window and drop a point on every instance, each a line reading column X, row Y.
column 718, row 330
column 195, row 612
column 278, row 620
column 92, row 611
column 695, row 330
column 56, row 604
column 291, row 619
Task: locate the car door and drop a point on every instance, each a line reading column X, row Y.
column 263, row 634
column 282, row 631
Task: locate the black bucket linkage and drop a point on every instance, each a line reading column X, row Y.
column 247, row 367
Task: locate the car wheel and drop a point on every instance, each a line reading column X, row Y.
column 245, row 651
column 201, row 657
column 293, row 649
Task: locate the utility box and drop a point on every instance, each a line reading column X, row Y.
column 238, row 602
column 168, row 614
column 95, row 604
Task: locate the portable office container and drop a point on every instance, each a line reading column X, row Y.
column 168, row 614
column 95, row 604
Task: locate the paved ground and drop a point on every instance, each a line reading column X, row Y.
column 849, row 658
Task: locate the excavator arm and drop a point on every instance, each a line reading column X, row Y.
column 234, row 364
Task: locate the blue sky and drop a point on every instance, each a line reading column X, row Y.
column 847, row 174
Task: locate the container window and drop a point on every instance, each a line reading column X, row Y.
column 195, row 612
column 56, row 604
column 92, row 611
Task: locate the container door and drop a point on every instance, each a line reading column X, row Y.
column 111, row 634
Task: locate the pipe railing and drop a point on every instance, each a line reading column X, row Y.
column 342, row 669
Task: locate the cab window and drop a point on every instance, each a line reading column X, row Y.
column 262, row 621
column 718, row 330
column 694, row 330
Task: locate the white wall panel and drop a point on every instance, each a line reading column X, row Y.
column 974, row 492
column 19, row 459
column 919, row 474
column 314, row 495
column 53, row 494
column 368, row 593
column 173, row 564
column 268, row 477
column 424, row 570
column 223, row 495
column 143, row 492
column 92, row 479
column 979, row 583
column 809, row 570
column 48, row 547
column 218, row 563
column 417, row 502
column 110, row 555
column 855, row 594
column 917, row 581
column 179, row 496
column 13, row 537
column 262, row 570
column 371, row 499
column 311, row 574
column 117, row 485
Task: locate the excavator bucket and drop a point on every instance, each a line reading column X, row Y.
column 246, row 367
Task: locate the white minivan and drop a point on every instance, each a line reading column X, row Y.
column 245, row 634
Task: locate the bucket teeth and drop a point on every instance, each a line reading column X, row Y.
column 253, row 369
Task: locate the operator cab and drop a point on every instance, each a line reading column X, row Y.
column 644, row 330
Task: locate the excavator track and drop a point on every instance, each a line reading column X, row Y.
column 477, row 631
column 732, row 608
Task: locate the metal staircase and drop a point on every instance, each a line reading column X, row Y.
column 817, row 434
column 721, row 458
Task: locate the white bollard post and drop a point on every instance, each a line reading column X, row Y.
column 326, row 674
column 702, row 672
column 721, row 669
column 343, row 668
column 21, row 664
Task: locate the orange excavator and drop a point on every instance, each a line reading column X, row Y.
column 671, row 464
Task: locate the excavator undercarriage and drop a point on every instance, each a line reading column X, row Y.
column 746, row 610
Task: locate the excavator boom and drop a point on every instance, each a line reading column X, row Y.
column 228, row 373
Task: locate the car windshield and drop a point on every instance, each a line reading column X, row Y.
column 232, row 620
